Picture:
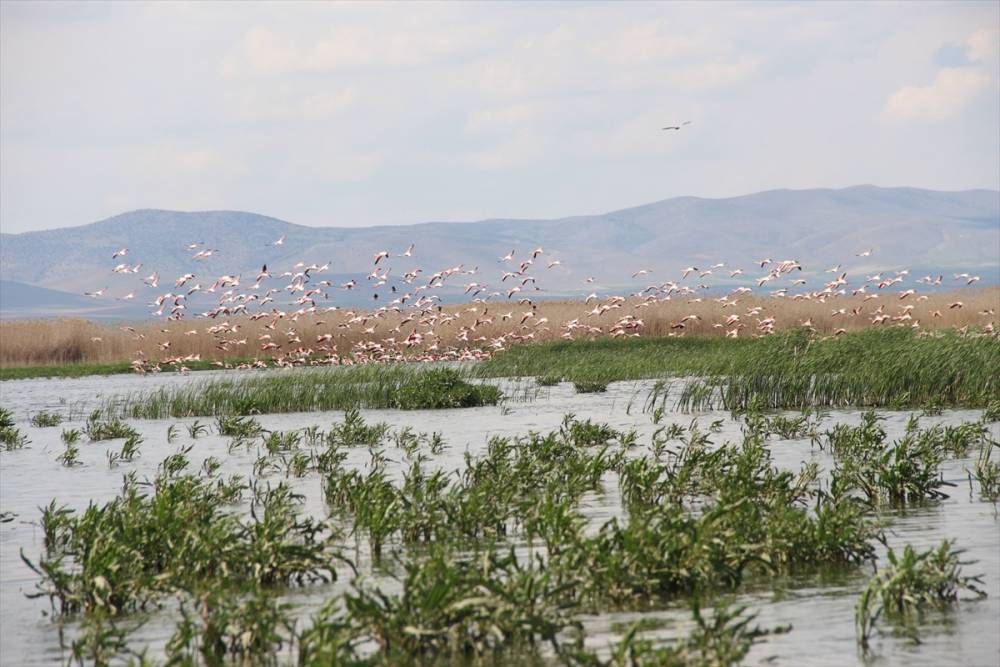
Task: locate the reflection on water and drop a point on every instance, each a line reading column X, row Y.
column 819, row 607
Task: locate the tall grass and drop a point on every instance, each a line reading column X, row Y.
column 306, row 390
column 888, row 367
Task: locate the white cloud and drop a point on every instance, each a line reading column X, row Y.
column 524, row 147
column 983, row 44
column 953, row 89
column 265, row 51
column 395, row 112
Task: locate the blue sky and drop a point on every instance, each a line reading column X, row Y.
column 359, row 114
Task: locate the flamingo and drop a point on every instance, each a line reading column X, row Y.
column 119, row 253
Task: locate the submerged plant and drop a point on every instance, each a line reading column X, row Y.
column 11, row 437
column 128, row 451
column 110, row 429
column 986, row 472
column 911, row 583
column 721, row 640
column 70, row 456
column 241, row 428
column 197, row 429
column 590, row 386
column 218, row 626
column 44, row 419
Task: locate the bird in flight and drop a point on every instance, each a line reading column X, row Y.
column 677, row 127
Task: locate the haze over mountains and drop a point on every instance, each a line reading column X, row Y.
column 920, row 230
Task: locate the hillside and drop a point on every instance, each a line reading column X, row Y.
column 919, row 230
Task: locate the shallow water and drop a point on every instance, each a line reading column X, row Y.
column 820, row 608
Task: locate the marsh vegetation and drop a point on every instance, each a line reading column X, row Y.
column 495, row 558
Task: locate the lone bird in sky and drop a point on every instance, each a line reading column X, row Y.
column 677, row 127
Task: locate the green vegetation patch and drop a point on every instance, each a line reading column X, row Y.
column 875, row 367
column 408, row 387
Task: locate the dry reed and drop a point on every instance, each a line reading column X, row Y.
column 475, row 325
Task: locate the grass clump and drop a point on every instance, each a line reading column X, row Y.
column 107, row 429
column 355, row 431
column 128, row 451
column 986, row 472
column 44, row 419
column 912, row 582
column 177, row 537
column 240, row 428
column 11, row 437
column 444, row 388
column 590, row 386
column 219, row 627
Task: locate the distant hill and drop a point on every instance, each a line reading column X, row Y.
column 908, row 228
column 18, row 300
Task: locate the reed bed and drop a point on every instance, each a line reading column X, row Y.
column 110, row 347
column 306, row 390
column 887, row 367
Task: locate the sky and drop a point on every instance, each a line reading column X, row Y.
column 340, row 114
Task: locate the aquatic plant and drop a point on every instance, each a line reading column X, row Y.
column 354, row 431
column 43, row 419
column 71, row 436
column 70, row 456
column 303, row 390
column 126, row 554
column 548, row 380
column 721, row 640
column 11, row 437
column 241, row 428
column 219, row 625
column 443, row 388
column 107, row 429
column 986, row 472
column 912, row 582
column 197, row 429
column 128, row 451
column 590, row 386
column 906, row 471
column 876, row 367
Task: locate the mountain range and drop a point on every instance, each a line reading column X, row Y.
column 905, row 228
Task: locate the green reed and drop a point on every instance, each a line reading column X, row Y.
column 888, row 367
column 304, row 390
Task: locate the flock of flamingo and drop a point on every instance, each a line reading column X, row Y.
column 416, row 299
